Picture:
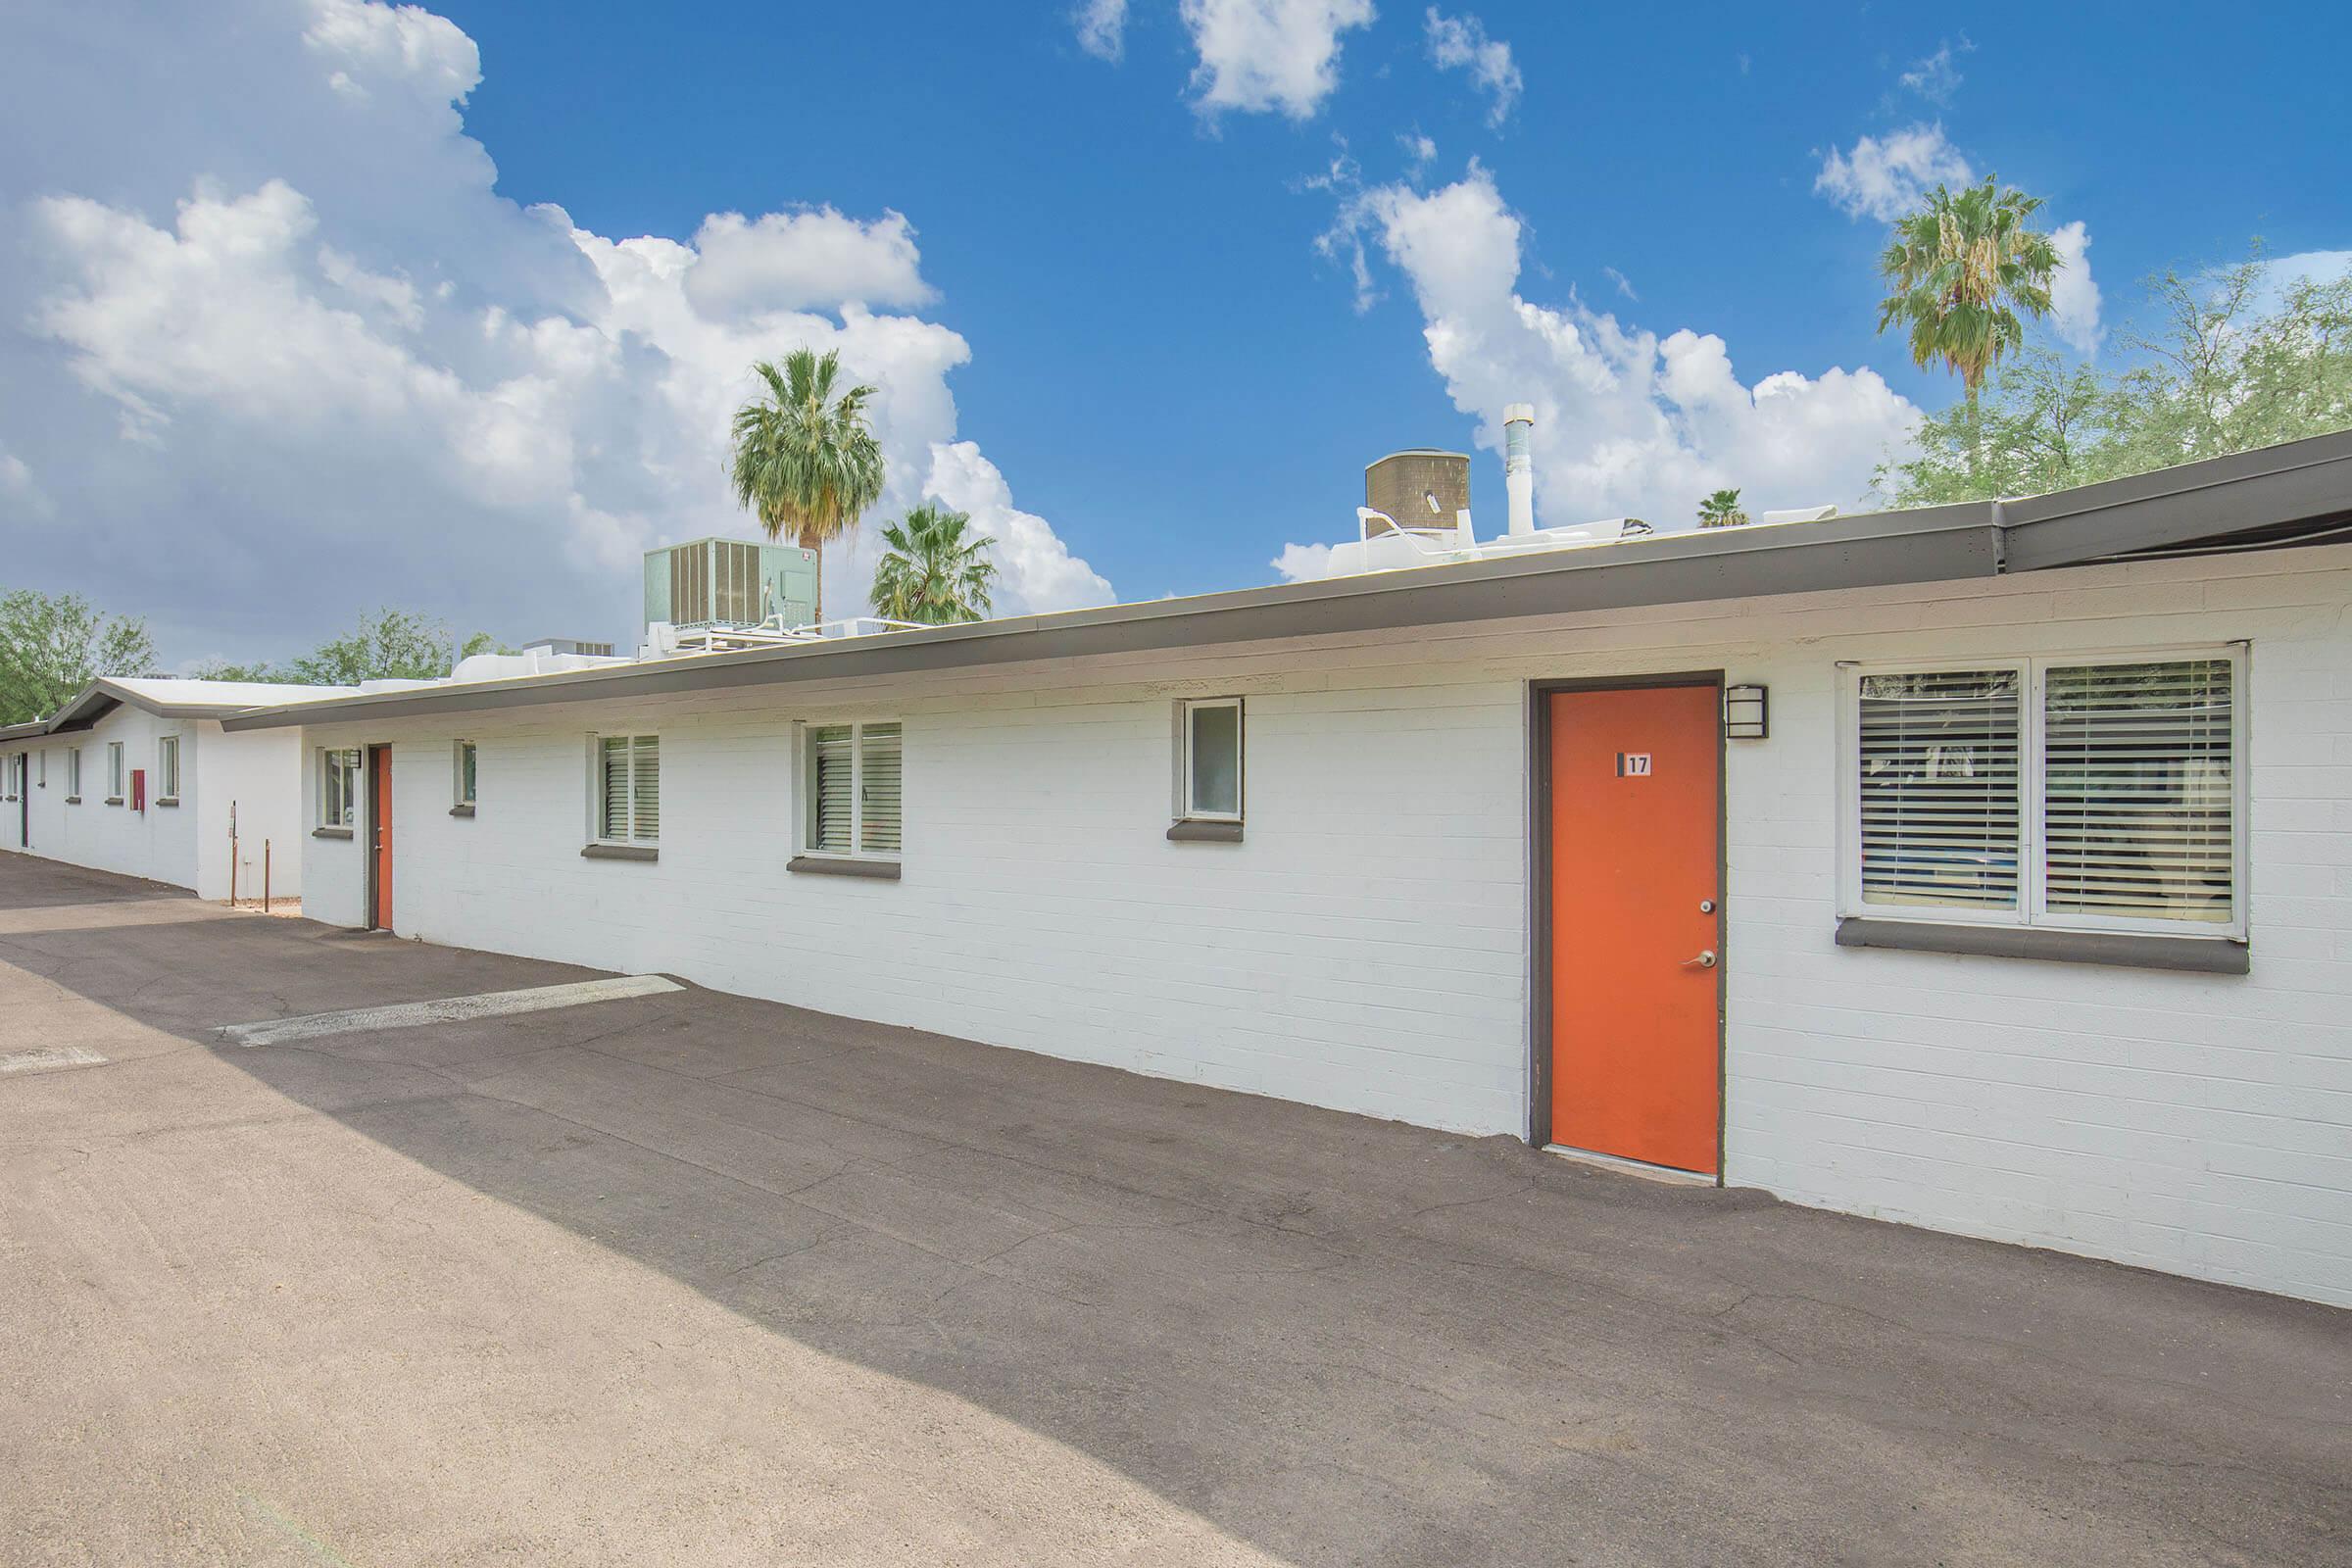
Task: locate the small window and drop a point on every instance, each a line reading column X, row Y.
column 338, row 788
column 73, row 773
column 113, row 772
column 44, row 769
column 852, row 776
column 2086, row 795
column 1209, row 766
column 462, row 764
column 628, row 789
column 167, row 768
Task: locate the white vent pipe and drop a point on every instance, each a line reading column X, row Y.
column 1518, row 466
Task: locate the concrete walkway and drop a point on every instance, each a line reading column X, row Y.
column 686, row 1278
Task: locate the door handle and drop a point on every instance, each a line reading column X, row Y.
column 1704, row 960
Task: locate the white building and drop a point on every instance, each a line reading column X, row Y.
column 1986, row 867
column 136, row 776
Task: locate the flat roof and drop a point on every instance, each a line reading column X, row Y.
column 2297, row 492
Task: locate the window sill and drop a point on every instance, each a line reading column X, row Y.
column 330, row 832
column 114, row 800
column 167, row 799
column 1191, row 832
column 2131, row 950
column 828, row 865
column 461, row 811
column 72, row 800
column 620, row 851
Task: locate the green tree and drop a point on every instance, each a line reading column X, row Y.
column 935, row 571
column 1958, row 272
column 387, row 644
column 224, row 670
column 53, row 645
column 2231, row 357
column 1722, row 510
column 804, row 461
column 2042, row 426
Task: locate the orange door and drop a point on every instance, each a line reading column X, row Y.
column 1636, row 923
column 379, row 820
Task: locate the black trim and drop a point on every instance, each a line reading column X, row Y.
column 620, row 851
column 330, row 832
column 828, row 865
column 1205, row 832
column 1539, row 892
column 2132, row 950
column 461, row 811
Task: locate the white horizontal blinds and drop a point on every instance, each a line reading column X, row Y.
column 645, row 788
column 1940, row 788
column 878, row 790
column 2138, row 814
column 829, row 784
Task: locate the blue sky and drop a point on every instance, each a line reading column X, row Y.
column 1123, row 311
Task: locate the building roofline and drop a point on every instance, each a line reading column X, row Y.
column 2302, row 482
column 101, row 697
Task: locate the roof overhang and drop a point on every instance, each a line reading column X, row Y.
column 102, row 697
column 2291, row 494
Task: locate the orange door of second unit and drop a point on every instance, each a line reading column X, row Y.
column 1636, row 923
column 379, row 831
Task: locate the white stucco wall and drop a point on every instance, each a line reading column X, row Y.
column 1367, row 947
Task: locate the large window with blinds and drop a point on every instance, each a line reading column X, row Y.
column 851, row 791
column 2086, row 793
column 628, row 789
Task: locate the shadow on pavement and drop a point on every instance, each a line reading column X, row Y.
column 1339, row 1340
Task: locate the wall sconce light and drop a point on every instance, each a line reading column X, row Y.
column 1746, row 712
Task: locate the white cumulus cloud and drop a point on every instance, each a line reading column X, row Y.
column 1461, row 43
column 1262, row 55
column 1884, row 176
column 2074, row 295
column 1628, row 423
column 816, row 259
column 271, row 369
column 1037, row 568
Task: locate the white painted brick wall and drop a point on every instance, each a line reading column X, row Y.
column 187, row 845
column 1366, row 948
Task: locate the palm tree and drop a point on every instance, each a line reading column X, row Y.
column 805, row 462
column 933, row 571
column 1959, row 270
column 1721, row 509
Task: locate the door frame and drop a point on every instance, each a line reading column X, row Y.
column 368, row 754
column 1538, row 889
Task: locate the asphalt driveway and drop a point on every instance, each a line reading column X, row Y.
column 688, row 1278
